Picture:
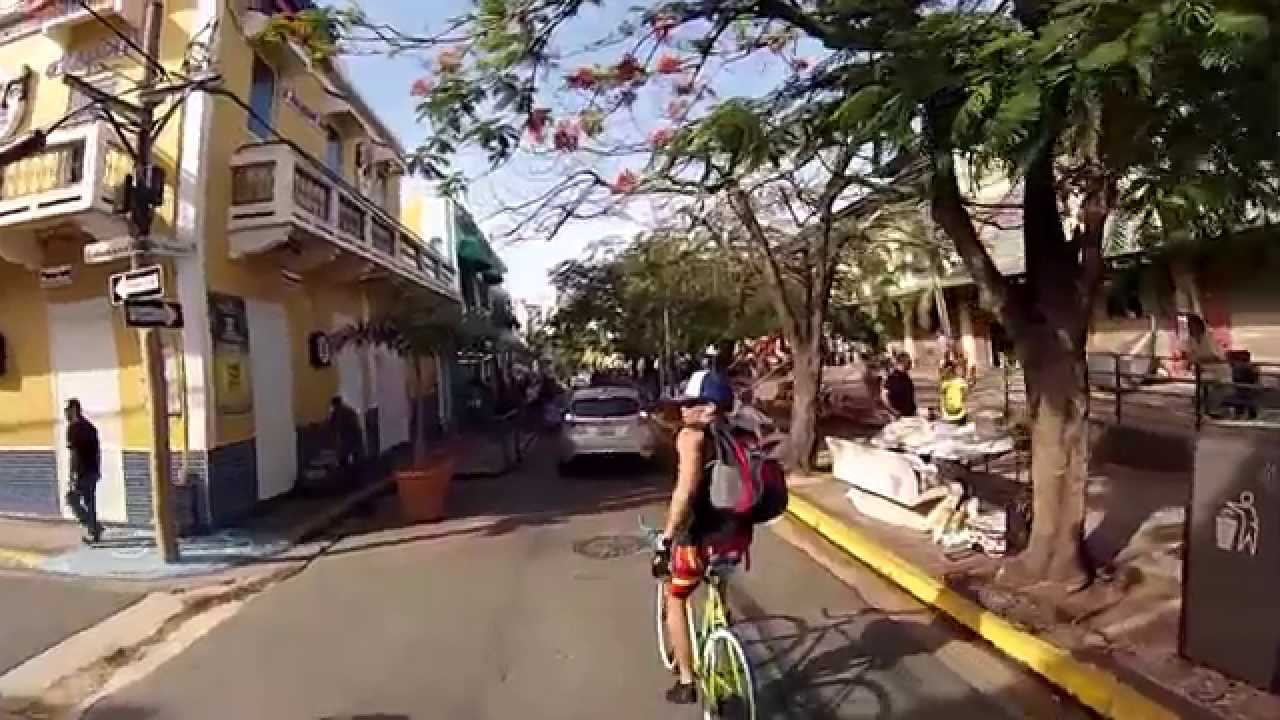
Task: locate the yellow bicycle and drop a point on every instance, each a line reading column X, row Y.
column 725, row 684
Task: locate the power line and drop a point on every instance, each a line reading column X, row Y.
column 146, row 57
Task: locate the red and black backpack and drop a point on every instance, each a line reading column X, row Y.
column 745, row 479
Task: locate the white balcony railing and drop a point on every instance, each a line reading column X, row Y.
column 279, row 195
column 24, row 17
column 71, row 181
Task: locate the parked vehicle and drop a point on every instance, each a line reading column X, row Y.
column 606, row 421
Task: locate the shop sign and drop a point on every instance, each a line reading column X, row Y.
column 90, row 60
column 233, row 381
column 293, row 100
column 13, row 103
column 58, row 276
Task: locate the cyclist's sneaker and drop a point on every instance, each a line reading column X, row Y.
column 683, row 694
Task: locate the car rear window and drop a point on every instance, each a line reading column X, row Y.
column 605, row 407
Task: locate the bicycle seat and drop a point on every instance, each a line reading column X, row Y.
column 723, row 565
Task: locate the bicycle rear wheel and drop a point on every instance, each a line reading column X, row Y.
column 728, row 688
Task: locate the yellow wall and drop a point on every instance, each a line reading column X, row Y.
column 27, row 414
column 26, row 393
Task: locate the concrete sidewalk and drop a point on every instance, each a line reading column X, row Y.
column 130, row 553
column 1113, row 646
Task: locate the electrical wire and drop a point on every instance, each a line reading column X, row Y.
column 147, row 58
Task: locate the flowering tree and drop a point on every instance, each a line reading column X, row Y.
column 1164, row 110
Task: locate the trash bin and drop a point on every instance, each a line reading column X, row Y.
column 1231, row 565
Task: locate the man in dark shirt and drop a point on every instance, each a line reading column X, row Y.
column 86, row 468
column 899, row 393
column 348, row 437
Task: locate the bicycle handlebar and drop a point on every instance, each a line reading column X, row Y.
column 650, row 533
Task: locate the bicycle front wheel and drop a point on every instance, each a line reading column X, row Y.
column 666, row 652
column 666, row 649
column 728, row 689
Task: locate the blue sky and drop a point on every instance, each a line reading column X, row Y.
column 385, row 83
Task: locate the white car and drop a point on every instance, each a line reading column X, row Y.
column 606, row 421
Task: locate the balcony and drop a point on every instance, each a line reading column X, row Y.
column 286, row 205
column 68, row 185
column 55, row 18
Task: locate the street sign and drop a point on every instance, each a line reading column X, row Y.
column 170, row 247
column 58, row 276
column 142, row 284
column 105, row 251
column 152, row 314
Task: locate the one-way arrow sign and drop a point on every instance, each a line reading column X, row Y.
column 146, row 283
column 152, row 314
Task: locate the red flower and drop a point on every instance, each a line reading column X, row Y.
column 584, row 78
column 628, row 69
column 538, row 118
column 626, row 183
column 567, row 136
column 670, row 64
column 661, row 136
column 422, row 87
column 537, row 135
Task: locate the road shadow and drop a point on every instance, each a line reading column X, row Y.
column 827, row 670
column 534, row 496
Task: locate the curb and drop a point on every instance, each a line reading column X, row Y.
column 24, row 559
column 294, row 536
column 1098, row 689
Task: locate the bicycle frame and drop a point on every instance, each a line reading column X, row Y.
column 714, row 619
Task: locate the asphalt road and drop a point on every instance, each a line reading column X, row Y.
column 508, row 611
column 38, row 612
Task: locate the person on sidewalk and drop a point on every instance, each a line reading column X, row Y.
column 86, row 469
column 899, row 392
column 348, row 438
column 953, row 396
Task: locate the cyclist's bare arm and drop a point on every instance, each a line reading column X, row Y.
column 688, row 472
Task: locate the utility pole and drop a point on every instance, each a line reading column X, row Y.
column 147, row 189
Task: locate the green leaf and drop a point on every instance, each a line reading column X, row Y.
column 854, row 112
column 1244, row 26
column 1105, row 56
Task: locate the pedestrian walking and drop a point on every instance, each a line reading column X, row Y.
column 347, row 438
column 86, row 469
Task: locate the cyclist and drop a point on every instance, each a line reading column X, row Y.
column 695, row 532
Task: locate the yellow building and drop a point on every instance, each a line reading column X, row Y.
column 275, row 228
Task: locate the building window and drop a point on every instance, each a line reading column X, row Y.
column 262, row 98
column 333, row 150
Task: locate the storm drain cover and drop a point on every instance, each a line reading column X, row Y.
column 608, row 547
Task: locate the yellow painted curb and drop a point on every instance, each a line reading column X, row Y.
column 20, row 558
column 1098, row 689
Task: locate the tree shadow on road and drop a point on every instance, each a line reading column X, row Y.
column 840, row 667
column 495, row 507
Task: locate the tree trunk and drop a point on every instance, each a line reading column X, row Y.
column 420, row 432
column 806, row 358
column 1058, row 399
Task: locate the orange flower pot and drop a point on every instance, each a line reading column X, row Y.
column 422, row 490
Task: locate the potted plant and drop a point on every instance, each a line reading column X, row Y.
column 419, row 327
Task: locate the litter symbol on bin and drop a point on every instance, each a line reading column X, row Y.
column 1237, row 525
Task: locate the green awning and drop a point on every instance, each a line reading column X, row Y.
column 474, row 249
